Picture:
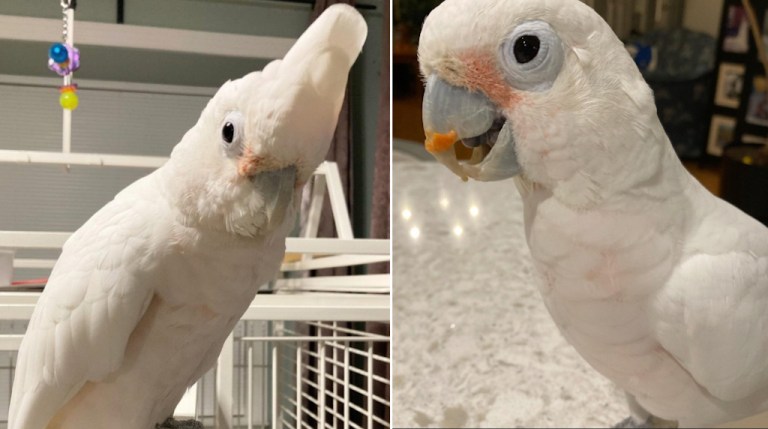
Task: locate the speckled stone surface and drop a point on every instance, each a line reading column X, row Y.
column 474, row 345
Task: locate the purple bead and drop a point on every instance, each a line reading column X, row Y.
column 74, row 58
column 66, row 67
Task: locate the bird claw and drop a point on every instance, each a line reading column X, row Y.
column 651, row 423
column 171, row 423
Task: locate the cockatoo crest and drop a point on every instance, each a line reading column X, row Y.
column 261, row 136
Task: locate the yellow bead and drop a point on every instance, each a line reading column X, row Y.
column 68, row 100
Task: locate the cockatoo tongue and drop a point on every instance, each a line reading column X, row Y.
column 500, row 162
column 452, row 114
column 488, row 138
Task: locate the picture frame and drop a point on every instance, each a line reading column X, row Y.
column 765, row 28
column 736, row 31
column 740, row 82
column 730, row 84
column 757, row 107
column 722, row 131
column 753, row 139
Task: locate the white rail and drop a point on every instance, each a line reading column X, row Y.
column 337, row 200
column 316, row 246
column 30, row 29
column 376, row 283
column 328, row 171
column 281, row 306
column 85, row 159
column 109, row 85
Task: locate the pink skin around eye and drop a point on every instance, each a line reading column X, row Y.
column 250, row 164
column 480, row 74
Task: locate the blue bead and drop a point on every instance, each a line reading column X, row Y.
column 58, row 53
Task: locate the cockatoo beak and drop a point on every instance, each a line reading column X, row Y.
column 452, row 114
column 278, row 188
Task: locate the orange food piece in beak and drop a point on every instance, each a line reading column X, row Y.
column 437, row 142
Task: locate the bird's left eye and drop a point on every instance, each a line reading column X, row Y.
column 232, row 133
column 531, row 56
column 228, row 132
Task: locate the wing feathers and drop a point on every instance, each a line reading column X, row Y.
column 82, row 323
column 712, row 314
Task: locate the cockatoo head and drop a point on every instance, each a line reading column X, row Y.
column 260, row 138
column 538, row 88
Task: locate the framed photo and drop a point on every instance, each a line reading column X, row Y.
column 736, row 38
column 730, row 83
column 753, row 139
column 757, row 109
column 765, row 28
column 721, row 132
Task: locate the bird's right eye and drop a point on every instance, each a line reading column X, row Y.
column 526, row 48
column 531, row 56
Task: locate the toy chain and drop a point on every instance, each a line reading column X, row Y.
column 64, row 6
column 64, row 58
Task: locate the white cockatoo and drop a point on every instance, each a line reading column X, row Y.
column 661, row 287
column 145, row 293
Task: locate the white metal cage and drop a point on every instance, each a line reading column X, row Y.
column 279, row 374
column 298, row 374
column 325, row 375
column 310, row 352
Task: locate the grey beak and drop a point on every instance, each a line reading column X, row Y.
column 449, row 108
column 452, row 113
column 278, row 188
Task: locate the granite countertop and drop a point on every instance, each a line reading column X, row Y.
column 474, row 345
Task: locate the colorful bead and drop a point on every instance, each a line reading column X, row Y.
column 58, row 53
column 68, row 98
column 70, row 64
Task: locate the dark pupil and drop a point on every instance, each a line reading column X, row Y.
column 228, row 132
column 526, row 48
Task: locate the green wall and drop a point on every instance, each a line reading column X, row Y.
column 92, row 10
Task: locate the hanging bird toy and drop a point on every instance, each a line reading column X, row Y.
column 64, row 58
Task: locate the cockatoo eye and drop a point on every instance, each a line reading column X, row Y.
column 526, row 48
column 531, row 56
column 232, row 133
column 228, row 133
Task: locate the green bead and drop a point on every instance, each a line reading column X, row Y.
column 68, row 100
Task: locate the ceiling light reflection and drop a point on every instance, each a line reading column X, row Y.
column 415, row 232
